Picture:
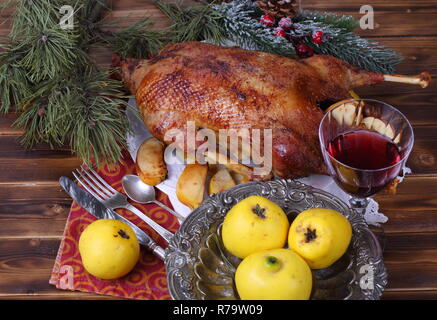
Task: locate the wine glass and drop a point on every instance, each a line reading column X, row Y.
column 365, row 144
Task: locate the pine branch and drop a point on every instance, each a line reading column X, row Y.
column 350, row 47
column 99, row 121
column 49, row 50
column 345, row 22
column 91, row 11
column 172, row 10
column 30, row 15
column 50, row 53
column 136, row 41
column 237, row 21
column 84, row 111
column 48, row 76
column 89, row 14
column 14, row 85
column 242, row 25
column 194, row 23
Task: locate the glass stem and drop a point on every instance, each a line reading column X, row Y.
column 359, row 204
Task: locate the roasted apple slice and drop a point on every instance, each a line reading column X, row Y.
column 221, row 181
column 150, row 165
column 381, row 127
column 190, row 188
column 346, row 114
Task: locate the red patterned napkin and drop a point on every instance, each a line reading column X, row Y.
column 146, row 281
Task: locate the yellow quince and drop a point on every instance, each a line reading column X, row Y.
column 320, row 236
column 254, row 224
column 109, row 249
column 278, row 274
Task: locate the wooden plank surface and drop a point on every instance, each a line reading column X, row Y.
column 33, row 209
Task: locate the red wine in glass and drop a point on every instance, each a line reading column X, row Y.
column 365, row 161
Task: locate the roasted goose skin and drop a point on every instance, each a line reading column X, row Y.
column 232, row 88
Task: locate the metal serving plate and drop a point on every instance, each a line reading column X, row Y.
column 198, row 266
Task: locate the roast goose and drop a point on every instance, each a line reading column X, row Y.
column 227, row 87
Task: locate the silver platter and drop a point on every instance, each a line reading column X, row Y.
column 198, row 266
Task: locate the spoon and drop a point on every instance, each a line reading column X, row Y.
column 140, row 192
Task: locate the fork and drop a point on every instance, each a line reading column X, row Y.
column 113, row 199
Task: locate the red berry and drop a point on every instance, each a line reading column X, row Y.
column 304, row 51
column 279, row 32
column 318, row 37
column 267, row 20
column 285, row 23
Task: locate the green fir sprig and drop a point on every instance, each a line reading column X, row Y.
column 83, row 111
column 48, row 76
column 237, row 21
column 14, row 83
column 349, row 47
column 136, row 41
column 52, row 52
column 29, row 15
column 242, row 26
column 194, row 23
column 340, row 21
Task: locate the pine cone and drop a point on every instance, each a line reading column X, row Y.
column 278, row 8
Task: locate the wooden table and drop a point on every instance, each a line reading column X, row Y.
column 33, row 209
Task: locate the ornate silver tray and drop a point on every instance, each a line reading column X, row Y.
column 198, row 266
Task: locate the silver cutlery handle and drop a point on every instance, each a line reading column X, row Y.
column 159, row 252
column 167, row 235
column 177, row 215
